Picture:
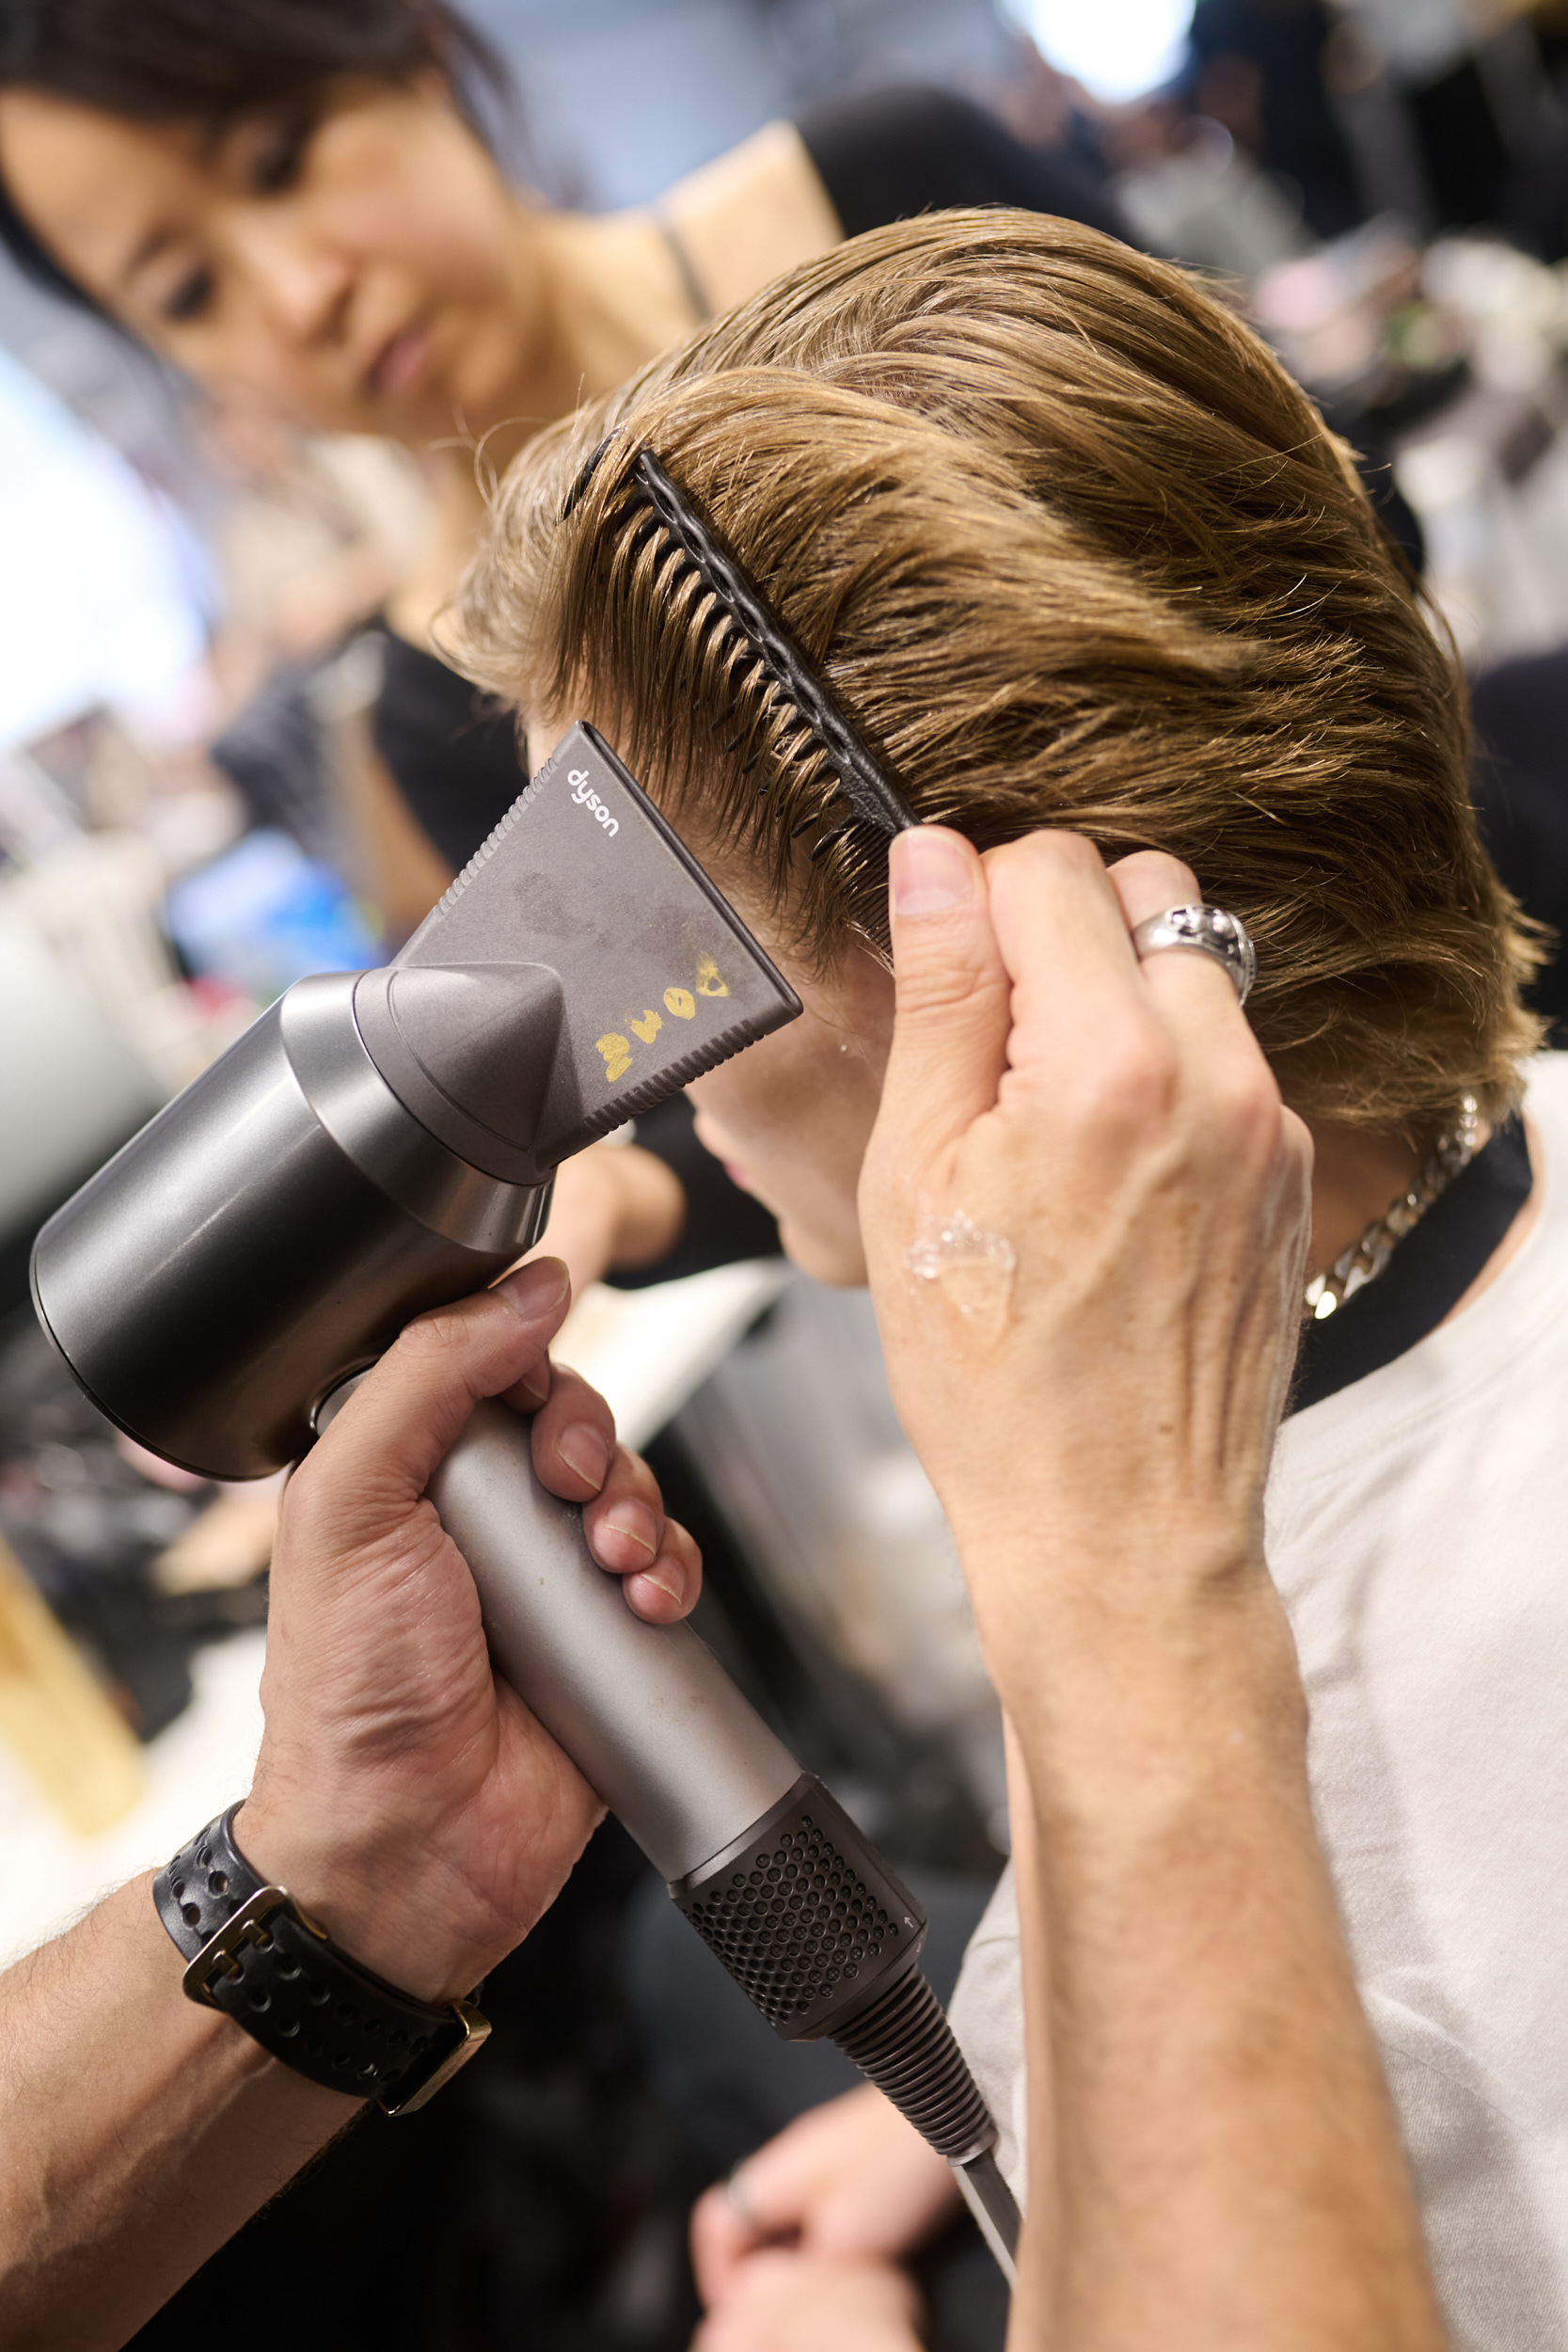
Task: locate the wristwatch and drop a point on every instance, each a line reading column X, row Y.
column 257, row 1956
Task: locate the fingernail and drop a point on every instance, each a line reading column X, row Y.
column 533, row 1290
column 670, row 1581
column 929, row 871
column 584, row 1449
column 631, row 1520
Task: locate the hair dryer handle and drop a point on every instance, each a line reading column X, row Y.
column 646, row 1712
column 659, row 1731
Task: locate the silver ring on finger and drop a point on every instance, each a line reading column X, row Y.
column 1202, row 931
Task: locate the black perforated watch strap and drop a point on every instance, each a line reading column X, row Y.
column 258, row 1957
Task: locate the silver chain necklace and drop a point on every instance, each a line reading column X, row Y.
column 1365, row 1260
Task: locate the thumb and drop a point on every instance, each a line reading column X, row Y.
column 384, row 1447
column 952, row 1011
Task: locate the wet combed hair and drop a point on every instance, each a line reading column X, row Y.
column 211, row 61
column 1072, row 549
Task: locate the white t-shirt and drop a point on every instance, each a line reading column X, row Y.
column 1418, row 1532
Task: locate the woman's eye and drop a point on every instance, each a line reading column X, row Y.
column 281, row 157
column 190, row 297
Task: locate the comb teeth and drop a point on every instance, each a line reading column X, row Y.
column 816, row 719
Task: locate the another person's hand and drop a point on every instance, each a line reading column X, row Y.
column 403, row 1793
column 847, row 2179
column 1087, row 1215
column 614, row 1206
column 800, row 2302
column 1085, row 1218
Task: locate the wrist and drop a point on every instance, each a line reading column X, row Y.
column 368, row 1886
column 1041, row 1576
column 615, row 1206
column 257, row 1956
column 1128, row 1708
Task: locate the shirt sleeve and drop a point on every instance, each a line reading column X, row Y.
column 987, row 2016
column 451, row 750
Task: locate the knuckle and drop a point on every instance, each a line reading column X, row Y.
column 1133, row 1086
column 442, row 1332
column 575, row 1400
column 1073, row 851
column 571, row 1397
column 950, row 979
column 299, row 1521
column 1245, row 1103
column 635, row 1475
column 1050, row 847
column 1158, row 876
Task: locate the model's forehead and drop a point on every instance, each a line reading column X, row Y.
column 98, row 190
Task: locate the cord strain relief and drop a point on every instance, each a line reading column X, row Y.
column 904, row 2043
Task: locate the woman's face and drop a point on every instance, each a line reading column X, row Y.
column 356, row 264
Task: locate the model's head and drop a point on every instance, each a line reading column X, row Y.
column 1075, row 549
column 284, row 196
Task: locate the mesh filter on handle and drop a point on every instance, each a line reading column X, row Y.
column 825, row 1942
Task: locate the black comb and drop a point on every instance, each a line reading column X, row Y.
column 819, row 722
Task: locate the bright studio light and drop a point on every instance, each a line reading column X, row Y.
column 1116, row 48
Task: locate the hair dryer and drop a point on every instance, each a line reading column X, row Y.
column 383, row 1142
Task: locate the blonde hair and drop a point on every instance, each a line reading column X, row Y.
column 1072, row 549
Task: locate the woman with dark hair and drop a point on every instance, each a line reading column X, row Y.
column 293, row 199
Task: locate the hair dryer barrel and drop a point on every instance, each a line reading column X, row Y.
column 269, row 1232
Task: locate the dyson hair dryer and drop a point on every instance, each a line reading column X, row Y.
column 383, row 1142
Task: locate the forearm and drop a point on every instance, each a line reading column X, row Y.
column 650, row 1206
column 614, row 1206
column 404, row 1795
column 138, row 2131
column 1214, row 2157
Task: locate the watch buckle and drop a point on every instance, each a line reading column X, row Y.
column 476, row 2032
column 219, row 1955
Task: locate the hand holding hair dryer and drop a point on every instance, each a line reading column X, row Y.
column 384, row 1142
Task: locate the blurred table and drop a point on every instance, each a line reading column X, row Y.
column 646, row 1350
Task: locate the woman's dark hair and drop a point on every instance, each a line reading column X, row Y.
column 210, row 61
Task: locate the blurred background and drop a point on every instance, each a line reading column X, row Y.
column 193, row 815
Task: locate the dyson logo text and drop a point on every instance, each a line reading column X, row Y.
column 581, row 792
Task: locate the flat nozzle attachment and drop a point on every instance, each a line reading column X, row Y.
column 580, row 969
